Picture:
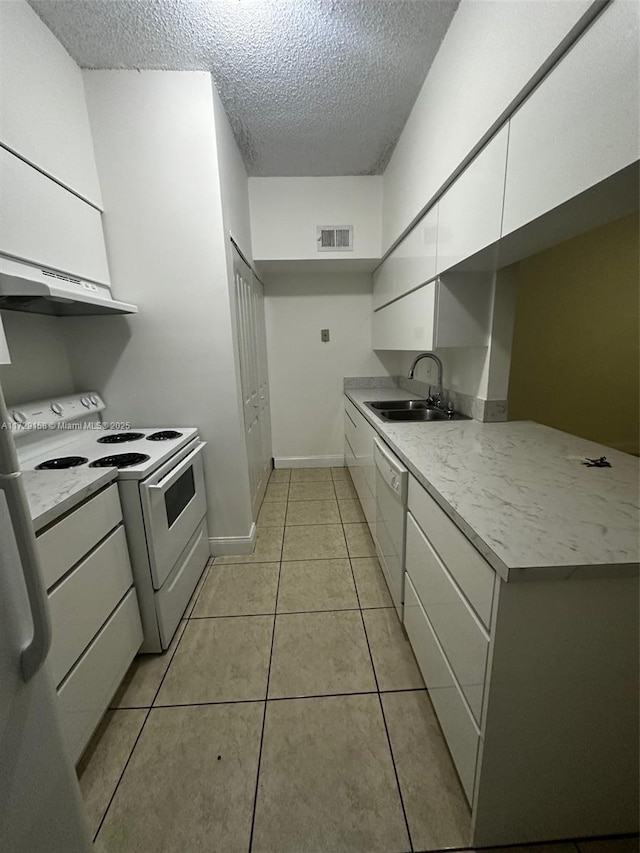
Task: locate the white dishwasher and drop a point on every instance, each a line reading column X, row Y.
column 390, row 522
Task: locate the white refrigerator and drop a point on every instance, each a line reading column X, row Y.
column 40, row 805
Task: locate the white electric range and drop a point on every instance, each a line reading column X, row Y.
column 161, row 487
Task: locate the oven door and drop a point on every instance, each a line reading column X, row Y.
column 173, row 504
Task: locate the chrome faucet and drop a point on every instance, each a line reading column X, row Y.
column 437, row 398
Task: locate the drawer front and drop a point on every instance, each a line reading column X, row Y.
column 470, row 570
column 352, row 412
column 351, row 429
column 85, row 598
column 349, row 456
column 457, row 724
column 85, row 695
column 66, row 543
column 172, row 599
column 459, row 632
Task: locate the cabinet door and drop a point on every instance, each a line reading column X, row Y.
column 470, row 212
column 44, row 114
column 411, row 264
column 581, row 124
column 408, row 323
column 463, row 309
column 45, row 224
column 359, row 435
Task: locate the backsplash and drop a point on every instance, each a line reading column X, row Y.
column 488, row 411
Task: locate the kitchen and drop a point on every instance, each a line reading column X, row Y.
column 166, row 218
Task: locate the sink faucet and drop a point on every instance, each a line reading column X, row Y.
column 434, row 357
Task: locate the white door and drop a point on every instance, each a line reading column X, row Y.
column 253, row 375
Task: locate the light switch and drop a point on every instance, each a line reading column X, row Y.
column 324, row 335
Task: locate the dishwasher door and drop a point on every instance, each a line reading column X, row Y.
column 390, row 523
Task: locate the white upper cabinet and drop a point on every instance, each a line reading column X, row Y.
column 581, row 124
column 411, row 264
column 470, row 211
column 44, row 224
column 452, row 311
column 43, row 113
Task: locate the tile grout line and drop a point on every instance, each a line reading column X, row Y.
column 384, row 720
column 288, row 612
column 148, row 708
column 266, row 698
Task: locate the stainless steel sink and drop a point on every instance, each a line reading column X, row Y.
column 411, row 410
column 398, row 405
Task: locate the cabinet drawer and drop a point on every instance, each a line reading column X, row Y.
column 457, row 724
column 463, row 640
column 470, row 570
column 351, row 428
column 86, row 693
column 85, row 598
column 64, row 544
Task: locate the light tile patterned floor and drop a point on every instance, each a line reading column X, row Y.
column 288, row 714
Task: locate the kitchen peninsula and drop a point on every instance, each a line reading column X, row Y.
column 534, row 681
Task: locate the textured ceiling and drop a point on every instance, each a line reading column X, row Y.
column 311, row 87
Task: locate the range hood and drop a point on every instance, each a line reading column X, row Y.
column 28, row 287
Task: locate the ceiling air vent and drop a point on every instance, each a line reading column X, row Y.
column 335, row 238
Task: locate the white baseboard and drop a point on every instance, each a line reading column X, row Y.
column 308, row 461
column 220, row 546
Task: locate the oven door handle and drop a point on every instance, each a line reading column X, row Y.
column 178, row 471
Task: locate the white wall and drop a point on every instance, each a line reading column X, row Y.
column 306, row 375
column 489, row 54
column 39, row 365
column 285, row 213
column 174, row 363
column 234, row 184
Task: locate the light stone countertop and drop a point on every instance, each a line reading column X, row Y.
column 53, row 493
column 519, row 492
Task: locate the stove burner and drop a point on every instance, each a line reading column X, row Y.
column 120, row 460
column 119, row 437
column 165, row 435
column 61, row 462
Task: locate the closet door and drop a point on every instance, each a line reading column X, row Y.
column 253, row 375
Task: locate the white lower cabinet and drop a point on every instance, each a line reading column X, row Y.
column 458, row 629
column 359, row 435
column 452, row 311
column 535, row 685
column 458, row 726
column 85, row 694
column 96, row 628
column 83, row 601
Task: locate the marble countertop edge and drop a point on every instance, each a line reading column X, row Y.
column 523, row 564
column 52, row 494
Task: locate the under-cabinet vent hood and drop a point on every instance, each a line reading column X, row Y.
column 25, row 287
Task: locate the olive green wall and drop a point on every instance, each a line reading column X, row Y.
column 575, row 358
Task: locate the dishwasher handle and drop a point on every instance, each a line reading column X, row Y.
column 391, row 469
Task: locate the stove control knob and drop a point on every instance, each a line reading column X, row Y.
column 57, row 409
column 85, row 402
column 94, row 400
column 19, row 417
